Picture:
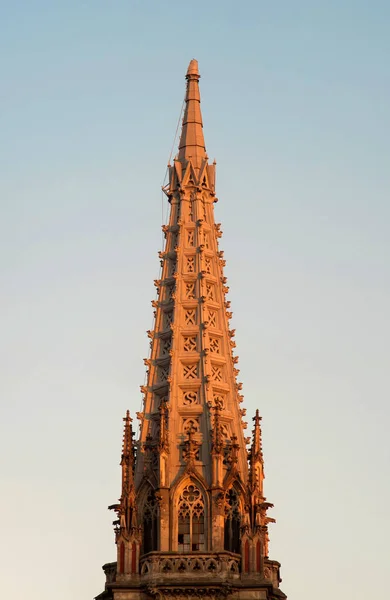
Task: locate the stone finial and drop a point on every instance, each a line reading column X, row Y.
column 191, row 448
column 193, row 70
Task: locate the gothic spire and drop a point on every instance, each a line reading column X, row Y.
column 191, row 145
column 192, row 503
column 192, row 394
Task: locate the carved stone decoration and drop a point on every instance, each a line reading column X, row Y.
column 203, row 564
column 217, row 373
column 190, row 290
column 189, row 343
column 216, row 433
column 163, row 444
column 220, row 500
column 191, row 424
column 190, row 397
column 232, row 453
column 190, row 316
column 191, row 450
column 212, row 318
column 190, row 371
column 190, row 593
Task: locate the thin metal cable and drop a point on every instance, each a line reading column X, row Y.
column 166, row 171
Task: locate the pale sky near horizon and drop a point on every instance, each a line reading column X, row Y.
column 295, row 101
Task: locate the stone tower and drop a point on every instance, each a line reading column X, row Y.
column 192, row 517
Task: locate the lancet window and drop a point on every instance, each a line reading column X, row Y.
column 150, row 523
column 232, row 522
column 191, row 536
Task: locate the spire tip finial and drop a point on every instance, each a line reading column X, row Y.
column 193, row 68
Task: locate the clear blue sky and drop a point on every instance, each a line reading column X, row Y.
column 296, row 100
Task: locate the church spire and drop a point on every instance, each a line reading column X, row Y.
column 192, row 397
column 192, row 505
column 191, row 145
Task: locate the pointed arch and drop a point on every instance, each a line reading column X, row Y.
column 189, row 511
column 235, row 479
column 191, row 519
column 232, row 522
column 148, row 507
column 203, row 176
column 189, row 176
column 185, row 478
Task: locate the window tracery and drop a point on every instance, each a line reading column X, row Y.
column 210, row 291
column 190, row 316
column 163, row 373
column 190, row 343
column 212, row 318
column 165, row 346
column 168, row 319
column 190, row 371
column 232, row 522
column 190, row 264
column 150, row 523
column 215, row 345
column 216, row 373
column 191, row 537
column 207, row 264
column 190, row 291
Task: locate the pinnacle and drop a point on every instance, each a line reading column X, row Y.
column 191, row 145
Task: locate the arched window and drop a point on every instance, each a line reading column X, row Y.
column 191, row 520
column 150, row 523
column 232, row 522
